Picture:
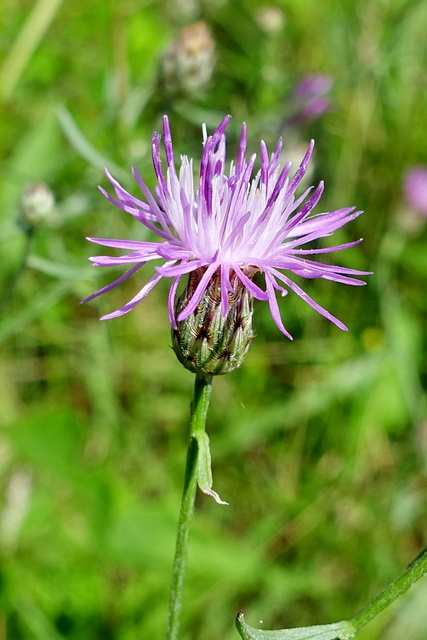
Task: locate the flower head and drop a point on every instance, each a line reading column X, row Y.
column 229, row 225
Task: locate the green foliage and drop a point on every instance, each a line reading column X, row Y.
column 319, row 445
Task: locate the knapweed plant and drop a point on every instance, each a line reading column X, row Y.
column 234, row 235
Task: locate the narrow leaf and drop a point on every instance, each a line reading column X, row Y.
column 57, row 269
column 42, row 301
column 336, row 631
column 204, row 466
column 82, row 145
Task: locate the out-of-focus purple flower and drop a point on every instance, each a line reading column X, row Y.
column 310, row 98
column 415, row 187
column 311, row 86
column 229, row 225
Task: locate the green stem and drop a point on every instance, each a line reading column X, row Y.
column 199, row 410
column 416, row 570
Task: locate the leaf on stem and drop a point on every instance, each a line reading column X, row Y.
column 336, row 631
column 204, row 466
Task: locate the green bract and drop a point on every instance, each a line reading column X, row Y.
column 207, row 342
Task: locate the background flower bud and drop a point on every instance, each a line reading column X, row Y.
column 187, row 65
column 37, row 205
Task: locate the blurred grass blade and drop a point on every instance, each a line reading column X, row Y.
column 58, row 270
column 25, row 44
column 197, row 115
column 35, row 156
column 9, row 326
column 84, row 147
column 36, row 620
column 336, row 631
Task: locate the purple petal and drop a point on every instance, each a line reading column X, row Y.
column 242, row 149
column 278, row 187
column 181, row 269
column 324, row 224
column 114, row 284
column 274, row 307
column 339, row 247
column 171, row 302
column 139, row 296
column 198, row 293
column 324, row 268
column 302, row 170
column 112, row 261
column 155, row 207
column 304, row 296
column 264, row 163
column 167, row 139
column 226, row 288
column 125, row 197
column 134, row 211
column 157, row 164
column 135, row 245
column 257, row 293
column 308, row 206
column 276, row 156
column 220, row 130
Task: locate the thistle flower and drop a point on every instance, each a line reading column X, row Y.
column 227, row 227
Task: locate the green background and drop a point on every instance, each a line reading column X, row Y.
column 319, row 444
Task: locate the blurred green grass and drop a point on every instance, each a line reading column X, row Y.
column 319, row 445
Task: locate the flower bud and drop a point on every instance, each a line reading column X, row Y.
column 207, row 342
column 270, row 19
column 37, row 205
column 187, row 65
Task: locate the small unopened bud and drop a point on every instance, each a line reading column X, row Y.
column 270, row 19
column 187, row 65
column 37, row 205
column 207, row 342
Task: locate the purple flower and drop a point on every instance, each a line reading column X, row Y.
column 310, row 96
column 229, row 224
column 311, row 86
column 415, row 186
